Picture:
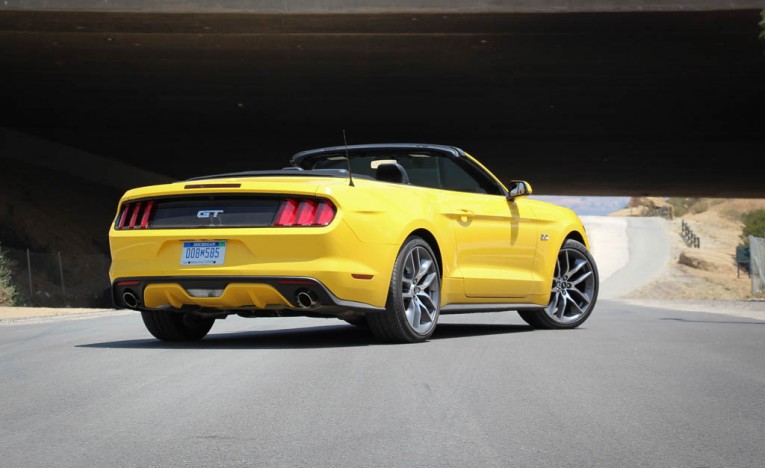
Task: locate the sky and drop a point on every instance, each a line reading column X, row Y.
column 586, row 206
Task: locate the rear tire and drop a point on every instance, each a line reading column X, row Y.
column 360, row 322
column 414, row 296
column 173, row 326
column 574, row 290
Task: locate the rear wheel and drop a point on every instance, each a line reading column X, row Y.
column 171, row 326
column 360, row 322
column 414, row 296
column 574, row 290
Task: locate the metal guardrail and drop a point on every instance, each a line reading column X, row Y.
column 691, row 239
column 60, row 279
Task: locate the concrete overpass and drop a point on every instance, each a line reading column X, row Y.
column 591, row 97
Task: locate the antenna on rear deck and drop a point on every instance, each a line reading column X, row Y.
column 348, row 159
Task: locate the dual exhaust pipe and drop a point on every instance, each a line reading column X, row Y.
column 304, row 299
column 130, row 299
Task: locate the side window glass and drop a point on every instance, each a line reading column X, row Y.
column 449, row 174
column 453, row 177
column 423, row 170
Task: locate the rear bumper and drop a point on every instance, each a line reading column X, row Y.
column 332, row 256
column 231, row 293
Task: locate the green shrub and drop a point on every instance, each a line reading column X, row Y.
column 682, row 206
column 8, row 294
column 754, row 225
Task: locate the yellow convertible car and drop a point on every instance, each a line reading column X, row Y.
column 385, row 236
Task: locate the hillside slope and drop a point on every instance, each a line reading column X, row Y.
column 710, row 272
column 54, row 214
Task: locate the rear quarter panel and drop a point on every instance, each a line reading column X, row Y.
column 381, row 213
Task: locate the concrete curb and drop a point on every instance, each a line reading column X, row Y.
column 14, row 315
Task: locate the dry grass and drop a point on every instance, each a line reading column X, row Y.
column 716, row 278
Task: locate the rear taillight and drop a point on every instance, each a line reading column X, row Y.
column 304, row 212
column 135, row 215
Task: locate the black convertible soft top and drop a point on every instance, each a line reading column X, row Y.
column 286, row 172
column 300, row 159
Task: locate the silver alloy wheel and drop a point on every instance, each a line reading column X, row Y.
column 573, row 287
column 420, row 290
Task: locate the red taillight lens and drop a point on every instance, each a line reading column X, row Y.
column 123, row 217
column 146, row 214
column 131, row 213
column 134, row 216
column 286, row 214
column 325, row 213
column 304, row 212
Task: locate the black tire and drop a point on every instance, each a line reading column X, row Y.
column 360, row 322
column 173, row 326
column 573, row 295
column 410, row 316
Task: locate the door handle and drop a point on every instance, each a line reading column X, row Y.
column 466, row 215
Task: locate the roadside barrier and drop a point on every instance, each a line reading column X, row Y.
column 757, row 266
column 691, row 239
column 60, row 279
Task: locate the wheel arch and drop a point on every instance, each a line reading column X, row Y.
column 547, row 255
column 428, row 237
column 577, row 236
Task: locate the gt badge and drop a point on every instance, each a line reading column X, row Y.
column 209, row 213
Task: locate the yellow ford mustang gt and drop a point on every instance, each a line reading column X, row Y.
column 387, row 236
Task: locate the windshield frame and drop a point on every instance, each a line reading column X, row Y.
column 307, row 159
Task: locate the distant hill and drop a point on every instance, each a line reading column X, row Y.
column 586, row 205
column 709, row 272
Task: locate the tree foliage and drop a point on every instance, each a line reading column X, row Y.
column 754, row 225
column 8, row 293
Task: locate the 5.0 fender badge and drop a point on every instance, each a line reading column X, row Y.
column 544, row 237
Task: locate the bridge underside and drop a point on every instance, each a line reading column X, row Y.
column 659, row 103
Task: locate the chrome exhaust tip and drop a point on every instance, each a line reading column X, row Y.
column 306, row 299
column 130, row 299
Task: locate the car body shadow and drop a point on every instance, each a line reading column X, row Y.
column 729, row 322
column 333, row 336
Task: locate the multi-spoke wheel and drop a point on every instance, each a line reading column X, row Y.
column 414, row 296
column 574, row 290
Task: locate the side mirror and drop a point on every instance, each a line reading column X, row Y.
column 518, row 188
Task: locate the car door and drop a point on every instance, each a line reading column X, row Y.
column 495, row 238
column 495, row 244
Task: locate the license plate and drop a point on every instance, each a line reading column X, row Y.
column 203, row 253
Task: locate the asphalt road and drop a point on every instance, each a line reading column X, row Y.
column 630, row 251
column 649, row 251
column 633, row 387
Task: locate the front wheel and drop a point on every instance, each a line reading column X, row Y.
column 574, row 290
column 414, row 296
column 173, row 326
